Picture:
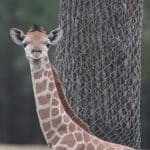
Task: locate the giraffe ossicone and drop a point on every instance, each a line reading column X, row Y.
column 61, row 127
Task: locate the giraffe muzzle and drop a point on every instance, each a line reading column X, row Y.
column 36, row 53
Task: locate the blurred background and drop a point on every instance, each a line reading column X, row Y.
column 18, row 119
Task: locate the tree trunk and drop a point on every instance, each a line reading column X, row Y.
column 98, row 61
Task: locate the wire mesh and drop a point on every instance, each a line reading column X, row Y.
column 98, row 61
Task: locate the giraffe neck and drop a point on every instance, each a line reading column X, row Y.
column 58, row 128
column 52, row 116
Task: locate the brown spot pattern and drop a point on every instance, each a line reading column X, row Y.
column 44, row 99
column 55, row 102
column 61, row 148
column 38, row 75
column 100, row 147
column 68, row 140
column 111, row 148
column 66, row 118
column 55, row 111
column 41, row 86
column 46, row 126
column 56, row 94
column 61, row 109
column 90, row 146
column 50, row 134
column 80, row 147
column 50, row 75
column 86, row 137
column 44, row 113
column 79, row 128
column 95, row 141
column 56, row 122
column 63, row 129
column 47, row 65
column 46, row 59
column 72, row 127
column 45, row 73
column 78, row 136
column 55, row 139
column 51, row 86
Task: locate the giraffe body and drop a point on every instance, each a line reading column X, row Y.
column 60, row 130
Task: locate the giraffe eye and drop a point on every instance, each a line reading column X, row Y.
column 24, row 45
column 48, row 45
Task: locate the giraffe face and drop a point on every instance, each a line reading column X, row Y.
column 36, row 42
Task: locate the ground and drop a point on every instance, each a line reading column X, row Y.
column 23, row 147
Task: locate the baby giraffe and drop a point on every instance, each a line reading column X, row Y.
column 62, row 129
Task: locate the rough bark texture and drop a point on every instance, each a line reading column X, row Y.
column 98, row 61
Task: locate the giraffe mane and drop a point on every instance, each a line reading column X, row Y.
column 37, row 27
column 66, row 104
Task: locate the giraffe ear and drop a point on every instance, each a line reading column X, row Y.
column 55, row 36
column 17, row 35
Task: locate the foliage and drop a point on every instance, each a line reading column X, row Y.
column 145, row 42
column 18, row 120
column 145, row 95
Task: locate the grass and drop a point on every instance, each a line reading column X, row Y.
column 23, row 147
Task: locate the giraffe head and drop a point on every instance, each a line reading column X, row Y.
column 36, row 41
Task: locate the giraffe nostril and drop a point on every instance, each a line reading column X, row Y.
column 36, row 51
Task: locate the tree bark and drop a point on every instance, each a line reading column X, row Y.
column 98, row 61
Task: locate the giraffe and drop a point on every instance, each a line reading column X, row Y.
column 60, row 129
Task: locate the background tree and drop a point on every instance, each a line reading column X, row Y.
column 99, row 64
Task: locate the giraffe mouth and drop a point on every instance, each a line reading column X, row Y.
column 36, row 60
